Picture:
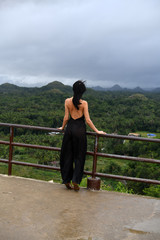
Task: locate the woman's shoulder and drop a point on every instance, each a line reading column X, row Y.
column 83, row 102
column 68, row 100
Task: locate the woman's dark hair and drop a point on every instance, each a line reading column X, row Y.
column 78, row 88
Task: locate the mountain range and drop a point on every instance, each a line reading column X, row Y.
column 57, row 86
column 119, row 88
column 53, row 86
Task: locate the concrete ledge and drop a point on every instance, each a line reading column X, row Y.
column 38, row 210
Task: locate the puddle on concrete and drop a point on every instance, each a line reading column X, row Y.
column 136, row 231
column 145, row 227
column 84, row 238
column 6, row 192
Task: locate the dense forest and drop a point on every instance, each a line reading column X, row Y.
column 120, row 112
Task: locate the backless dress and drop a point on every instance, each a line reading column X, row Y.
column 73, row 151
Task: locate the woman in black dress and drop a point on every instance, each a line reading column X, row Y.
column 74, row 145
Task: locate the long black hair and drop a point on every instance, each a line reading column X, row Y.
column 78, row 88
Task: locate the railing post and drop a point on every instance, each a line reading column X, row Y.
column 95, row 156
column 10, row 151
column 94, row 182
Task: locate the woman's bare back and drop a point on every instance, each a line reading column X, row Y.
column 74, row 112
column 71, row 110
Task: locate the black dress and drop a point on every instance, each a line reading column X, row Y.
column 73, row 151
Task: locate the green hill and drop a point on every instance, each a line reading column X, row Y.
column 57, row 85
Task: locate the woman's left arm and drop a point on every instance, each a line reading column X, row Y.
column 66, row 116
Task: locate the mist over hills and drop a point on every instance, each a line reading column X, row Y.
column 61, row 88
column 116, row 87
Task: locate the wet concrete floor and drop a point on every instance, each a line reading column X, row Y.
column 38, row 210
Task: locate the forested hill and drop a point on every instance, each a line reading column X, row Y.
column 61, row 88
column 54, row 86
column 118, row 112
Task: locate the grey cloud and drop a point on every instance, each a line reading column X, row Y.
column 104, row 42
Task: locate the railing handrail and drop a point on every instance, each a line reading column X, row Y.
column 113, row 135
column 94, row 153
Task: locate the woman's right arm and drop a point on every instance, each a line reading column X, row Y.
column 89, row 121
column 66, row 116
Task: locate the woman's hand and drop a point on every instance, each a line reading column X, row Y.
column 60, row 128
column 101, row 132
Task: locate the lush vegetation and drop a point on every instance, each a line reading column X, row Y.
column 113, row 112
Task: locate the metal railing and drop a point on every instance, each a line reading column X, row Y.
column 94, row 153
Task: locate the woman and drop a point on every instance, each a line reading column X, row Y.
column 74, row 144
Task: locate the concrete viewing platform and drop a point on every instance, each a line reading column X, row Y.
column 39, row 210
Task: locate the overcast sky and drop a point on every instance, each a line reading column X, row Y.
column 104, row 42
